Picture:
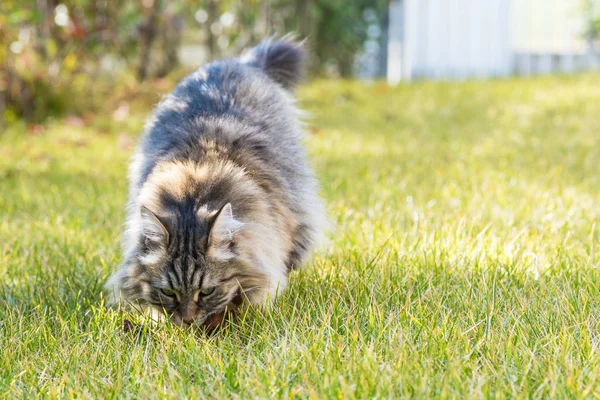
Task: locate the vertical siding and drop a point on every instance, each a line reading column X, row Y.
column 456, row 39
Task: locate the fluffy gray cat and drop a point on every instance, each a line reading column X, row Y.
column 222, row 202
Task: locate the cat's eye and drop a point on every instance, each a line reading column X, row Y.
column 168, row 292
column 207, row 291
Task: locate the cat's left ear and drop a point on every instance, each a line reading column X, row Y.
column 222, row 234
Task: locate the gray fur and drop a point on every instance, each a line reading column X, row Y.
column 227, row 138
column 282, row 60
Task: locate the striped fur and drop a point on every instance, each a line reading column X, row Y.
column 222, row 202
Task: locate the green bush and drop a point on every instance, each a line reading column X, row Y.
column 53, row 54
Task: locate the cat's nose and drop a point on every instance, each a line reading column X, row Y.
column 188, row 315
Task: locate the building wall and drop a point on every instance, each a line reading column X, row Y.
column 455, row 39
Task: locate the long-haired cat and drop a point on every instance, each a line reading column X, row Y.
column 222, row 202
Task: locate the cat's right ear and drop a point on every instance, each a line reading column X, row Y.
column 154, row 233
column 222, row 233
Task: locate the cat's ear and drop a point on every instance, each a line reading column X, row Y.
column 222, row 234
column 154, row 232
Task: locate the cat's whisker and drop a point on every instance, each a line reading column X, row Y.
column 251, row 289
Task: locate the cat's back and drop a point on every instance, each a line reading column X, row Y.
column 236, row 104
column 216, row 94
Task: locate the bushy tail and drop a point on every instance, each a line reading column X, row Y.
column 283, row 60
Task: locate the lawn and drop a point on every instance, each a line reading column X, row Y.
column 464, row 261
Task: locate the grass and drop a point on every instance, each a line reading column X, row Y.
column 464, row 263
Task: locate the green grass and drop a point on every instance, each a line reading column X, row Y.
column 464, row 262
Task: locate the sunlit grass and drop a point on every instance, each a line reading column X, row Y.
column 464, row 260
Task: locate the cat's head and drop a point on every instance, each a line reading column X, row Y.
column 199, row 237
column 188, row 264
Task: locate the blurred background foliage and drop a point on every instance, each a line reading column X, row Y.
column 67, row 56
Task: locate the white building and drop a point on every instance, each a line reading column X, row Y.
column 456, row 39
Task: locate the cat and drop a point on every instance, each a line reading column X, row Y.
column 222, row 201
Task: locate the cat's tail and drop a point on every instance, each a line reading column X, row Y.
column 282, row 60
